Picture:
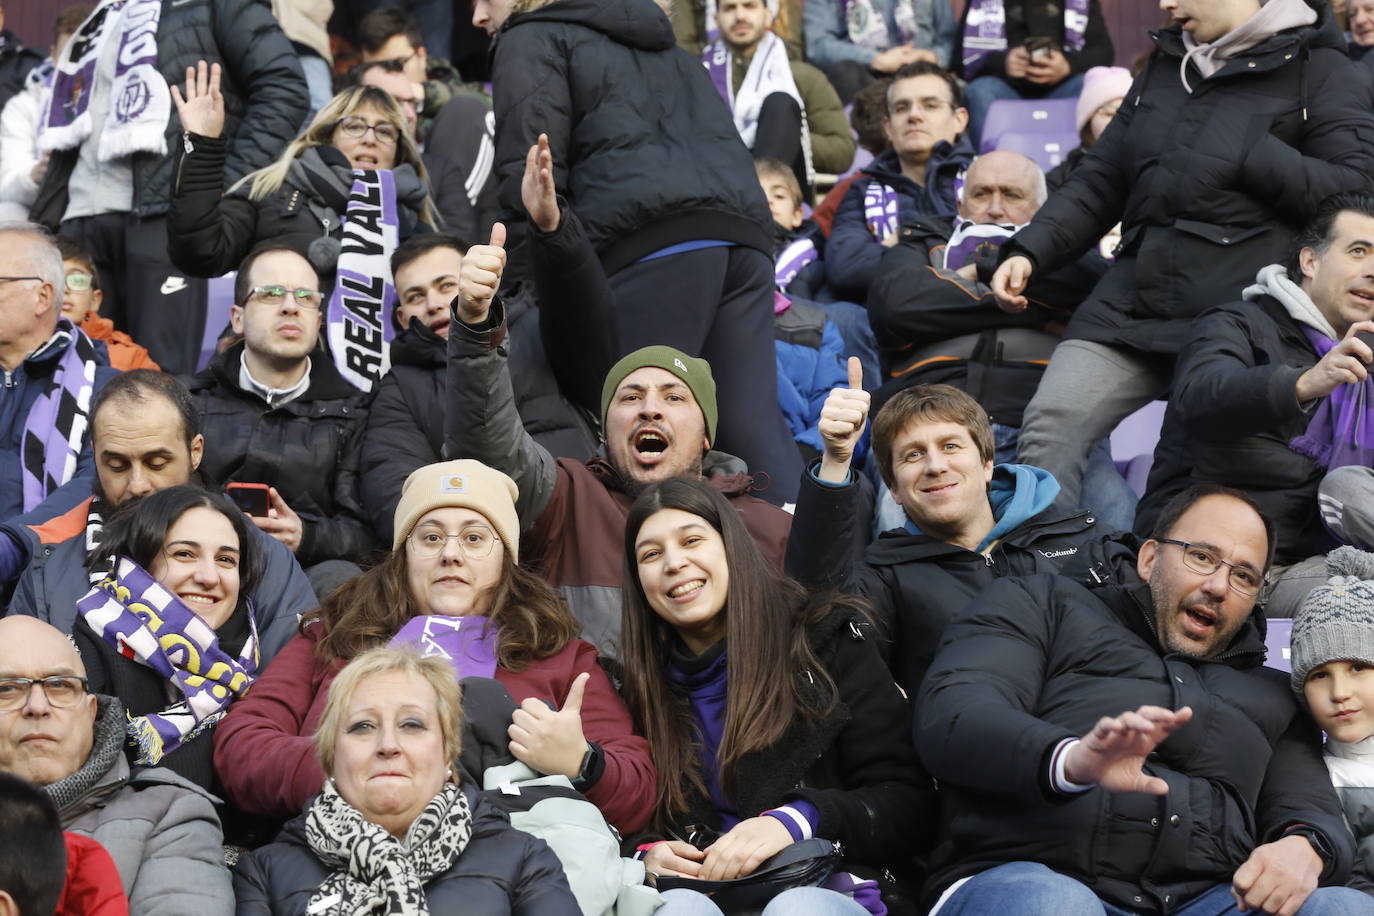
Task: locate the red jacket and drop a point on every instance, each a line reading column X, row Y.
column 124, row 353
column 93, row 886
column 265, row 753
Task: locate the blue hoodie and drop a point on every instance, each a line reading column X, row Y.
column 1017, row 493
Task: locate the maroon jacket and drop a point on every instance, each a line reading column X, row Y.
column 265, row 753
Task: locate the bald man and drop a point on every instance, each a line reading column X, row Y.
column 161, row 830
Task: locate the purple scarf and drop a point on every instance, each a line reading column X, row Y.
column 358, row 317
column 985, row 31
column 880, row 209
column 142, row 621
column 55, row 429
column 1341, row 431
column 793, row 258
column 467, row 643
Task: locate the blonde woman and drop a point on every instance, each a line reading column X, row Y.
column 328, row 176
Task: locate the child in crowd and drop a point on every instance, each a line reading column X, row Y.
column 1333, row 671
column 810, row 351
column 81, row 306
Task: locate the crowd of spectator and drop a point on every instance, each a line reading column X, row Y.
column 662, row 463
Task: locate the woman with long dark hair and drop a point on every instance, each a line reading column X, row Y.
column 452, row 584
column 167, row 626
column 770, row 714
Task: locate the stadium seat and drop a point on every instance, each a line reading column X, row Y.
column 1277, row 639
column 1029, row 116
column 219, row 296
column 1046, row 149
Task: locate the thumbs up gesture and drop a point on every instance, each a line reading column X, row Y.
column 480, row 277
column 551, row 740
column 842, row 423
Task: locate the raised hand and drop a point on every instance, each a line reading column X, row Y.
column 1113, row 753
column 843, row 417
column 480, row 277
column 537, row 192
column 1009, row 283
column 551, row 741
column 202, row 108
column 1344, row 364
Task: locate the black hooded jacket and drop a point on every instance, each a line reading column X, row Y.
column 1209, row 185
column 643, row 148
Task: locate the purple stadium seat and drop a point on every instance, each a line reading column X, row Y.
column 1133, row 444
column 1047, row 149
column 219, row 296
column 1276, row 640
column 1029, row 116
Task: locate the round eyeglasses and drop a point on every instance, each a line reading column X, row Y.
column 386, row 134
column 475, row 541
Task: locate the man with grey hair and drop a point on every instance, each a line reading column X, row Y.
column 51, row 371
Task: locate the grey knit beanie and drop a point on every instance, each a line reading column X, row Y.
column 1336, row 621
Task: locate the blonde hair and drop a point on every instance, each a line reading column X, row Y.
column 269, row 179
column 433, row 670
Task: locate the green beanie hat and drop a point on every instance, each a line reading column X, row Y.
column 694, row 372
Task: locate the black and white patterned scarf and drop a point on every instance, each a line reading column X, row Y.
column 376, row 874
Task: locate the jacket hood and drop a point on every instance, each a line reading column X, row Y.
column 1273, row 281
column 418, row 346
column 1324, row 33
column 638, row 24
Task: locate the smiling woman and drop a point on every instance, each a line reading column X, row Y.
column 453, row 580
column 172, row 574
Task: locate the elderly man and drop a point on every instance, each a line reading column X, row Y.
column 1112, row 742
column 161, row 830
column 51, row 371
column 145, row 434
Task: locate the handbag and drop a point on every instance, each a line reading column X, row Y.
column 806, row 863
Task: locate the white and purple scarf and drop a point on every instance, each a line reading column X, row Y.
column 970, row 240
column 985, row 31
column 882, row 209
column 55, row 428
column 140, row 104
column 769, row 72
column 467, row 643
column 142, row 621
column 867, row 28
column 794, row 257
column 359, row 330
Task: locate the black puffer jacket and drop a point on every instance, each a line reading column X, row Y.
column 642, row 146
column 265, row 97
column 308, row 449
column 15, row 63
column 405, row 424
column 856, row 765
column 1209, row 186
column 916, row 583
column 1232, row 414
column 1037, row 660
column 501, row 871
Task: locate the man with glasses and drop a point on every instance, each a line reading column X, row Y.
column 916, row 178
column 1114, row 743
column 160, row 829
column 51, row 370
column 273, row 414
column 1269, row 397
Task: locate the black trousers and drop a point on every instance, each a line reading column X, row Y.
column 778, row 136
column 717, row 303
column 144, row 295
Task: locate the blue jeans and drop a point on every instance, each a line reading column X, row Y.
column 983, row 91
column 1031, row 889
column 804, row 901
column 852, row 322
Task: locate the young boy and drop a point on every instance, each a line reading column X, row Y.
column 1333, row 671
column 810, row 351
column 81, row 306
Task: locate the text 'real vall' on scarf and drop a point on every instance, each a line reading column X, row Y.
column 360, row 330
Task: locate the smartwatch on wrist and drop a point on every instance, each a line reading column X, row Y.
column 593, row 766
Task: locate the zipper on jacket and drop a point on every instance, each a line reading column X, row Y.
column 9, row 378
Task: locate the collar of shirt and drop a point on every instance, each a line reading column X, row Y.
column 275, row 397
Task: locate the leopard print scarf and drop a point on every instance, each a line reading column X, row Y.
column 376, row 874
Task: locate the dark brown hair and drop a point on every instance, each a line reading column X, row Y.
column 531, row 620
column 931, row 404
column 766, row 659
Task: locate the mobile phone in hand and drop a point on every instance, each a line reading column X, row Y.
column 1039, row 48
column 252, row 498
column 1367, row 338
